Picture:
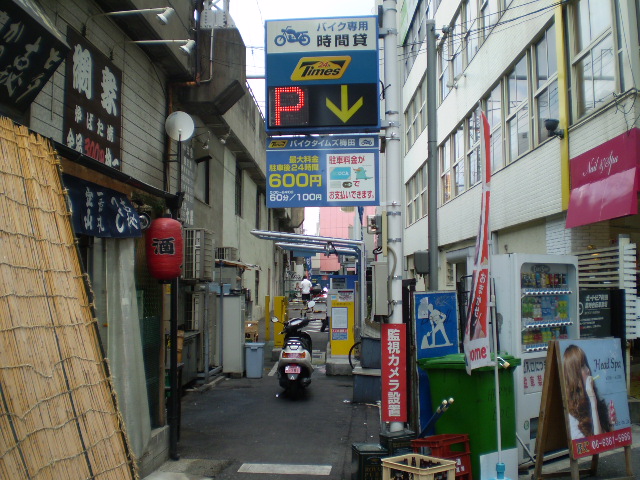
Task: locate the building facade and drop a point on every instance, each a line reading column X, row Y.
column 520, row 63
column 104, row 108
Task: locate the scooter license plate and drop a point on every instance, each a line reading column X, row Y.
column 292, row 369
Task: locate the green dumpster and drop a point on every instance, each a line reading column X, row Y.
column 474, row 408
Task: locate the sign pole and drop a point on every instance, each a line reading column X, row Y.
column 393, row 167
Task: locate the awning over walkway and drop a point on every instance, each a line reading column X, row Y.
column 604, row 181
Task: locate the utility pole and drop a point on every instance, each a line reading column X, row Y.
column 394, row 202
column 432, row 141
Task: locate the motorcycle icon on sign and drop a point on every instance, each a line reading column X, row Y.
column 291, row 36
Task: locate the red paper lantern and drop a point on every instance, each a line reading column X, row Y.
column 164, row 245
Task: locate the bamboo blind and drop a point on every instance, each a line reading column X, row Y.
column 58, row 411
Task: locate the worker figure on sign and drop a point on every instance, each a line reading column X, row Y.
column 437, row 321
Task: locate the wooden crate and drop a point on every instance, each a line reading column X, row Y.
column 417, row 467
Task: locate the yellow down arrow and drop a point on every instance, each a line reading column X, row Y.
column 345, row 112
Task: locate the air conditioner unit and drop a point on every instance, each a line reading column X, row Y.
column 227, row 253
column 194, row 311
column 198, row 254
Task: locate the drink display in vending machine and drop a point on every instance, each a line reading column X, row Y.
column 536, row 301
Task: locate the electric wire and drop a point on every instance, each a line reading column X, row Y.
column 465, row 36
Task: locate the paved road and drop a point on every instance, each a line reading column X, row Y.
column 243, row 429
column 239, row 425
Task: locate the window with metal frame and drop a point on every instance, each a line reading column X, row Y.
column 471, row 33
column 458, row 151
column 545, row 72
column 445, row 171
column 416, row 196
column 473, row 122
column 415, row 116
column 517, row 121
column 593, row 61
column 444, row 81
column 493, row 110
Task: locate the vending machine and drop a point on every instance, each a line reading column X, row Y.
column 536, row 301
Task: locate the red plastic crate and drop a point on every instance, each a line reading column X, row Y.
column 450, row 447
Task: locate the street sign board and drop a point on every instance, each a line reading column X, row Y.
column 322, row 75
column 322, row 171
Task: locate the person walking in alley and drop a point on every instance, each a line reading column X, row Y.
column 305, row 289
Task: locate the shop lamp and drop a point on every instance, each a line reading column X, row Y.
column 163, row 15
column 187, row 48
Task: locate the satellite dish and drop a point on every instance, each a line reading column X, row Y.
column 179, row 126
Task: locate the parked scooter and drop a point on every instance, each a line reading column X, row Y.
column 295, row 363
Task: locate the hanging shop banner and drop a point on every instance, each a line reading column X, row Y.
column 476, row 336
column 605, row 181
column 31, row 49
column 101, row 212
column 595, row 395
column 322, row 171
column 394, row 372
column 436, row 315
column 322, row 75
column 92, row 117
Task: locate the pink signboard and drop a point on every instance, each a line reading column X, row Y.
column 604, row 181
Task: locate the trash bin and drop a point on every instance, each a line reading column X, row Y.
column 474, row 409
column 254, row 359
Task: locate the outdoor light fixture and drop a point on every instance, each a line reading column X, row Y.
column 551, row 124
column 224, row 138
column 163, row 15
column 187, row 48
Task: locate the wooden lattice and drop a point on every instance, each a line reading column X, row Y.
column 58, row 411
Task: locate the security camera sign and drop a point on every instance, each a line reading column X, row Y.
column 322, row 171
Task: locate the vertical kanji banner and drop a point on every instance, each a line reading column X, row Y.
column 394, row 373
column 476, row 334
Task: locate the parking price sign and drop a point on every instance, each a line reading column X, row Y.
column 322, row 75
column 323, row 171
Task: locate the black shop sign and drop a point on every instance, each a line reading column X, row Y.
column 101, row 212
column 31, row 48
column 93, row 103
column 595, row 311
